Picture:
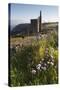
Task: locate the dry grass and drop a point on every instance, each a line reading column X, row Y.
column 24, row 41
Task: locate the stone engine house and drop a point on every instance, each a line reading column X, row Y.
column 35, row 26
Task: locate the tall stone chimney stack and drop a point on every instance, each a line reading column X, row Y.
column 40, row 22
column 39, row 26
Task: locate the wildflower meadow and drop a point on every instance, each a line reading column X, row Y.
column 36, row 63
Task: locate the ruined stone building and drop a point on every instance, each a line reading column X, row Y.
column 35, row 23
column 43, row 27
column 35, row 26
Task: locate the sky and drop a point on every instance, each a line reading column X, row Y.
column 22, row 13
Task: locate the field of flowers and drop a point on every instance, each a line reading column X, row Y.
column 35, row 64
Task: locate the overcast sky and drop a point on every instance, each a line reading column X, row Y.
column 22, row 13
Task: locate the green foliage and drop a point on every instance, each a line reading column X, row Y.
column 53, row 39
column 25, row 69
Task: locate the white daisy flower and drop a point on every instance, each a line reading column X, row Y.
column 48, row 62
column 33, row 71
column 52, row 63
column 44, row 68
column 38, row 66
column 42, row 59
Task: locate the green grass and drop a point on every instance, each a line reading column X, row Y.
column 24, row 63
